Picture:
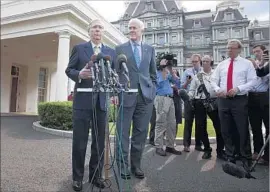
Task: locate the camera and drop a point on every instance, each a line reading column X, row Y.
column 171, row 58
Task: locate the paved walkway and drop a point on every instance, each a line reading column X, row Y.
column 35, row 161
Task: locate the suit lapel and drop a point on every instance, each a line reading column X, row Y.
column 130, row 55
column 88, row 50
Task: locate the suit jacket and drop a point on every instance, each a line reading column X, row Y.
column 143, row 77
column 81, row 54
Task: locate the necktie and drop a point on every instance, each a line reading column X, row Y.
column 230, row 76
column 96, row 50
column 137, row 54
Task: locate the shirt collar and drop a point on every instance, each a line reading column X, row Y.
column 94, row 45
column 137, row 42
column 202, row 71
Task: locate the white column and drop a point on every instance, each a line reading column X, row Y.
column 62, row 61
column 213, row 34
column 244, row 32
column 5, row 83
column 246, row 29
column 181, row 20
column 231, row 33
column 214, row 54
column 182, row 56
column 216, row 36
column 32, row 88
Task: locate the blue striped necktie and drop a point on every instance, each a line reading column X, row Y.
column 137, row 54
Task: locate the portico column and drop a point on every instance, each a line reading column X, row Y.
column 61, row 91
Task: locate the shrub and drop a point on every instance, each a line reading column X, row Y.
column 58, row 115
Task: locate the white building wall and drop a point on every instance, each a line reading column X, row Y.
column 5, row 85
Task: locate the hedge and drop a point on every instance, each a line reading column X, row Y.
column 58, row 115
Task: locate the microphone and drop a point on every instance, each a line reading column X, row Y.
column 91, row 66
column 100, row 59
column 122, row 60
column 108, row 59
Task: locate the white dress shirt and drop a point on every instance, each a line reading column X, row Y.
column 244, row 75
column 195, row 83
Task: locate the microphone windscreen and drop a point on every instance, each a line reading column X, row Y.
column 121, row 58
column 94, row 58
column 100, row 56
column 234, row 170
column 90, row 64
column 107, row 58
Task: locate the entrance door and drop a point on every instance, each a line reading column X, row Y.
column 15, row 71
column 13, row 96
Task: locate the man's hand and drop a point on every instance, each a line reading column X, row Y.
column 233, row 92
column 85, row 73
column 163, row 62
column 221, row 94
column 253, row 62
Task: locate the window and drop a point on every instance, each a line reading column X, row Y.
column 149, row 24
column 257, row 36
column 42, row 84
column 197, row 41
column 161, row 40
column 126, row 28
column 221, row 34
column 15, row 71
column 229, row 16
column 161, row 23
column 174, row 38
column 237, row 33
column 197, row 23
column 149, row 39
column 188, row 41
column 174, row 22
column 208, row 40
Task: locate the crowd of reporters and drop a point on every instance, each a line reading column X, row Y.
column 196, row 90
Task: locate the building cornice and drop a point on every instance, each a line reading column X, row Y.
column 67, row 8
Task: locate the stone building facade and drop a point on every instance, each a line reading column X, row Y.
column 169, row 28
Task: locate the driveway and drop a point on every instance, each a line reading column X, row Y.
column 35, row 161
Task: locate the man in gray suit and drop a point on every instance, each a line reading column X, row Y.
column 136, row 107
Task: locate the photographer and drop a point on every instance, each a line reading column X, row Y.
column 205, row 104
column 165, row 111
column 189, row 112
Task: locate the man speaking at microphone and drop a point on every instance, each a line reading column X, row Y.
column 137, row 107
column 84, row 106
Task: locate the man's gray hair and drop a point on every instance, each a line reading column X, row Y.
column 207, row 57
column 93, row 21
column 240, row 45
column 137, row 21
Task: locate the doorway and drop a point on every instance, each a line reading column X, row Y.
column 15, row 72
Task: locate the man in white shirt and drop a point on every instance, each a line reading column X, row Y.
column 200, row 97
column 189, row 112
column 258, row 106
column 232, row 80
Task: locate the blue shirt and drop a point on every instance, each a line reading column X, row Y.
column 164, row 86
column 262, row 84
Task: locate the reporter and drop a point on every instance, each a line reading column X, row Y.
column 165, row 111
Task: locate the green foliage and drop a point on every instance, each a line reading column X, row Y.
column 58, row 115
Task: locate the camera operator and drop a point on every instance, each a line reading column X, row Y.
column 258, row 105
column 165, row 111
column 189, row 112
column 205, row 104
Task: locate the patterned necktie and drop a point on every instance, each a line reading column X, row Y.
column 96, row 50
column 230, row 76
column 137, row 54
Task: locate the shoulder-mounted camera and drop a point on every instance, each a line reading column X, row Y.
column 171, row 58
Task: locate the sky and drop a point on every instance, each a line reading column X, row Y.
column 253, row 9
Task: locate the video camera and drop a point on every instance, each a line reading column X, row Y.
column 171, row 58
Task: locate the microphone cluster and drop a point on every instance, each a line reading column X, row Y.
column 103, row 76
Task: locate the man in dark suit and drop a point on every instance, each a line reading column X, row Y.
column 137, row 107
column 85, row 105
